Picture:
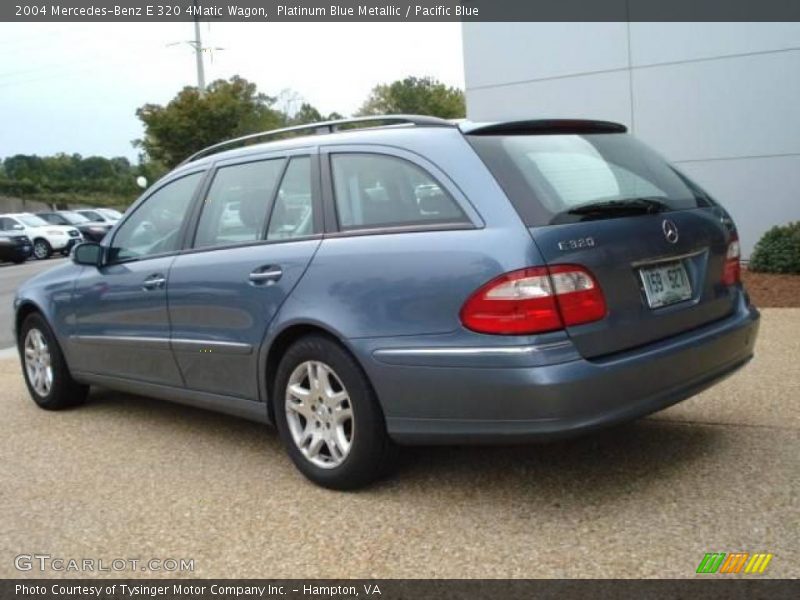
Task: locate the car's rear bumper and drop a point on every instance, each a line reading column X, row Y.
column 426, row 402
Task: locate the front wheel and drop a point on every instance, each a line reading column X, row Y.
column 42, row 249
column 328, row 415
column 46, row 374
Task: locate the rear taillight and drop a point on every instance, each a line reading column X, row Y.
column 535, row 300
column 731, row 273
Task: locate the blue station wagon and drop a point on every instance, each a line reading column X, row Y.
column 368, row 283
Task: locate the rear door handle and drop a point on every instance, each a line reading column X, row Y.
column 154, row 282
column 266, row 275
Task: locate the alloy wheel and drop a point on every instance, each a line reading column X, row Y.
column 38, row 363
column 40, row 250
column 319, row 414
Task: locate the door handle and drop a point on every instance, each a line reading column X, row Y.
column 154, row 282
column 266, row 275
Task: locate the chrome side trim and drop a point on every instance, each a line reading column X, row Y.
column 472, row 351
column 121, row 340
column 161, row 343
column 180, row 345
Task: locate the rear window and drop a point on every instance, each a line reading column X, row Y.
column 563, row 178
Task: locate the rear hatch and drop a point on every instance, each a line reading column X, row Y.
column 594, row 196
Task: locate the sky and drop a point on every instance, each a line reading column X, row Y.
column 75, row 87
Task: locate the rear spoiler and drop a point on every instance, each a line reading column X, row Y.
column 542, row 127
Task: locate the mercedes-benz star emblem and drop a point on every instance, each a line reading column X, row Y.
column 670, row 231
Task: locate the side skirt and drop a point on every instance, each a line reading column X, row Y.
column 246, row 409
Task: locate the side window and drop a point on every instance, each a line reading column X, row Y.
column 235, row 209
column 293, row 214
column 374, row 190
column 154, row 228
column 9, row 224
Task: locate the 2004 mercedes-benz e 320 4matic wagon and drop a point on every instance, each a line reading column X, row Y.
column 403, row 279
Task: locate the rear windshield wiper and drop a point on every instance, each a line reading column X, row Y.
column 612, row 208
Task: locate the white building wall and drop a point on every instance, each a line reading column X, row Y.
column 720, row 100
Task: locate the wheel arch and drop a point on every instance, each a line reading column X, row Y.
column 26, row 308
column 276, row 347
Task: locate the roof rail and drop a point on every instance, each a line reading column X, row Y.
column 324, row 127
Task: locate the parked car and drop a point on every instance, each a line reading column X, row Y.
column 46, row 238
column 100, row 215
column 15, row 247
column 92, row 231
column 417, row 283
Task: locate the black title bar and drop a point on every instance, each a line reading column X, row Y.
column 388, row 10
column 707, row 587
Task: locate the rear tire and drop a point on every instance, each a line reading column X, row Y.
column 49, row 381
column 42, row 249
column 334, row 429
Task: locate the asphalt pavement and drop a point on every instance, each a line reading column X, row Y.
column 128, row 477
column 11, row 276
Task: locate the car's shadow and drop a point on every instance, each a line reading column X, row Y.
column 614, row 462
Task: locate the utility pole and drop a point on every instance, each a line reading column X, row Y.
column 198, row 51
column 197, row 46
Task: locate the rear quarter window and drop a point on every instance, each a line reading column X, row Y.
column 376, row 190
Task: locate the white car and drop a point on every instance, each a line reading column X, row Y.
column 46, row 238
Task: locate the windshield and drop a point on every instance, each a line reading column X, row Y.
column 562, row 178
column 73, row 217
column 32, row 221
column 110, row 212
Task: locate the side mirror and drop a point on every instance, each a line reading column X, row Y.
column 87, row 253
column 17, row 227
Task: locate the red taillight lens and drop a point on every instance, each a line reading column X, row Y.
column 535, row 300
column 731, row 272
column 579, row 296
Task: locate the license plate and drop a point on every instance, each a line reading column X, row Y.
column 666, row 283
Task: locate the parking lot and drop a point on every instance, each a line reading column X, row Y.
column 128, row 477
column 11, row 276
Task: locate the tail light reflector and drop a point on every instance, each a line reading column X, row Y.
column 731, row 273
column 535, row 300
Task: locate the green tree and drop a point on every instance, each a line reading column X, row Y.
column 64, row 179
column 192, row 121
column 306, row 114
column 309, row 114
column 415, row 95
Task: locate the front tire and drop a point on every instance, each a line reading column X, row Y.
column 46, row 374
column 42, row 249
column 328, row 415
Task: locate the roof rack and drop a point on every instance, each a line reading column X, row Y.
column 324, row 127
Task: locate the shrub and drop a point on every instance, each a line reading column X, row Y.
column 778, row 251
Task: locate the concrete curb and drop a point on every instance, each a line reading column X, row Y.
column 10, row 352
